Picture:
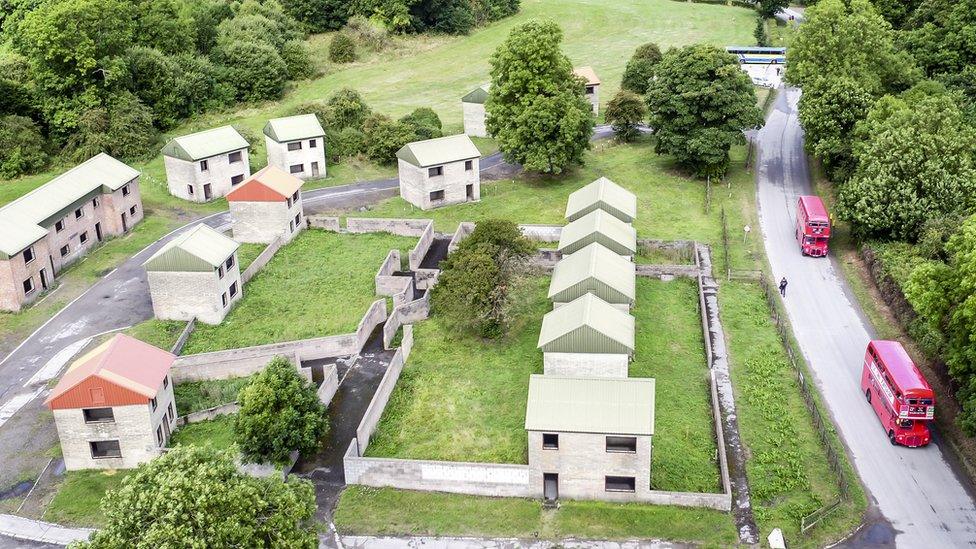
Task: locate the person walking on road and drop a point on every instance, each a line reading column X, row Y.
column 782, row 287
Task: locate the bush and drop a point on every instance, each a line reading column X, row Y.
column 342, row 49
column 297, row 59
column 280, row 413
column 346, row 109
column 425, row 123
column 640, row 68
column 624, row 112
column 255, row 70
column 319, row 15
column 384, row 138
column 123, row 129
column 345, row 143
column 22, row 147
column 369, row 34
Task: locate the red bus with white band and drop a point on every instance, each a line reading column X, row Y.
column 812, row 226
column 898, row 392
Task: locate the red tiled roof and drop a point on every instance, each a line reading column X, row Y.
column 270, row 184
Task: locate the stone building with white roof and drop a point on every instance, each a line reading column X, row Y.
column 439, row 172
column 206, row 165
column 296, row 145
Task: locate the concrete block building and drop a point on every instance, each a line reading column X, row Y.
column 600, row 227
column 592, row 86
column 473, row 111
column 296, row 144
column 439, row 172
column 195, row 275
column 594, row 270
column 267, row 206
column 114, row 407
column 605, row 195
column 57, row 223
column 587, row 337
column 206, row 165
column 591, row 437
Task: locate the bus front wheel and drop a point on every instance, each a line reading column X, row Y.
column 891, row 438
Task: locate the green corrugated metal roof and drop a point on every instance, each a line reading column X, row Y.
column 587, row 325
column 597, row 270
column 205, row 144
column 199, row 249
column 603, row 405
column 605, row 195
column 293, row 128
column 441, row 150
column 477, row 95
column 598, row 226
column 21, row 220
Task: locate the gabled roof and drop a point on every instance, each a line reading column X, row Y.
column 587, row 74
column 200, row 249
column 205, row 144
column 269, row 184
column 477, row 95
column 594, row 269
column 598, row 226
column 293, row 128
column 441, row 150
column 613, row 406
column 21, row 220
column 605, row 195
column 587, row 325
column 135, row 369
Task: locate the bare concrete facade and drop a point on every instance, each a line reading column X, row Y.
column 206, row 165
column 304, row 158
column 474, row 119
column 262, row 222
column 585, row 364
column 592, row 90
column 439, row 172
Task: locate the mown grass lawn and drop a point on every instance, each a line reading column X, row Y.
column 193, row 396
column 320, row 284
column 380, row 511
column 247, row 253
column 217, row 432
column 78, row 499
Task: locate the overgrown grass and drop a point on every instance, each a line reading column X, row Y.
column 320, row 284
column 78, row 499
column 193, row 396
column 363, row 510
column 161, row 333
column 215, row 432
column 247, row 253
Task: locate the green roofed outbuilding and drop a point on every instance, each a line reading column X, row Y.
column 596, row 270
column 473, row 111
column 600, row 227
column 605, row 195
column 588, row 337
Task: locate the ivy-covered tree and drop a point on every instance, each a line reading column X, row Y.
column 640, row 68
column 699, row 103
column 536, row 108
column 624, row 113
column 194, row 496
column 280, row 413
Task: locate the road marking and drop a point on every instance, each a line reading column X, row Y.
column 13, row 405
column 57, row 362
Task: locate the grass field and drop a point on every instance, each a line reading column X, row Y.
column 193, row 396
column 161, row 333
column 247, row 253
column 363, row 510
column 319, row 284
column 215, row 432
column 79, row 496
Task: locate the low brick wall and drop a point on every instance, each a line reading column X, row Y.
column 324, row 222
column 208, row 414
column 330, row 384
column 247, row 360
column 464, row 229
column 416, row 255
column 401, row 227
column 184, row 336
column 367, row 426
column 542, row 233
column 262, row 259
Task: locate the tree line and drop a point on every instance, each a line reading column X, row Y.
column 444, row 16
column 889, row 94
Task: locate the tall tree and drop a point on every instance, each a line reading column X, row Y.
column 624, row 113
column 194, row 496
column 640, row 68
column 699, row 104
column 536, row 108
column 941, row 35
column 769, row 8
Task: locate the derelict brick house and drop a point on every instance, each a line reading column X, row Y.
column 587, row 337
column 52, row 226
column 114, row 407
column 605, row 195
column 592, row 84
column 473, row 111
column 439, row 172
column 591, row 438
column 206, row 165
column 296, row 144
column 601, row 227
column 195, row 275
column 267, row 206
column 594, row 270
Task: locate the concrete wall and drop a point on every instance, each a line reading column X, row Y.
column 464, row 229
column 330, row 384
column 188, row 295
column 416, row 185
column 656, row 271
column 399, row 227
column 406, row 314
column 263, row 222
column 585, row 364
column 247, row 360
column 542, row 233
column 367, row 425
column 416, row 255
column 184, row 336
column 261, row 260
column 474, row 119
column 181, row 174
column 594, row 99
column 208, row 414
column 324, row 222
column 280, row 156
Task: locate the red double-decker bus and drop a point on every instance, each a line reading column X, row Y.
column 898, row 392
column 812, row 226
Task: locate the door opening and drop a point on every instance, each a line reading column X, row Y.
column 125, row 223
column 207, row 194
column 44, row 279
column 98, row 231
column 550, row 486
column 470, row 191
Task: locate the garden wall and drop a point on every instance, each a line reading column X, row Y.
column 464, row 229
column 542, row 233
column 262, row 259
column 184, row 336
column 367, row 426
column 208, row 414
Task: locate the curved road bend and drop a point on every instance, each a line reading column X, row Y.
column 916, row 490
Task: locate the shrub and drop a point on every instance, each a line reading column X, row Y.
column 425, row 123
column 384, row 138
column 255, row 70
column 280, row 413
column 369, row 34
column 342, row 49
column 640, row 68
column 319, row 15
column 297, row 59
column 624, row 112
column 345, row 143
column 22, row 147
column 123, row 129
column 346, row 109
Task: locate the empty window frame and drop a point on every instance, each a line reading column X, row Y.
column 153, row 403
column 204, row 166
column 223, row 299
column 233, row 289
column 312, row 143
column 298, row 220
column 288, row 203
column 102, row 449
column 295, row 146
column 435, row 171
column 98, row 415
column 229, row 263
column 159, row 435
column 189, row 190
column 590, row 90
column 234, row 157
column 125, row 190
column 83, row 237
column 468, row 165
column 236, row 179
column 28, row 255
column 28, row 286
column 59, row 226
column 620, row 484
column 294, row 197
column 165, row 382
column 132, row 210
column 95, row 202
column 296, row 168
column 437, row 195
column 79, row 213
column 550, row 441
column 65, row 250
column 220, row 271
column 169, row 411
column 622, row 444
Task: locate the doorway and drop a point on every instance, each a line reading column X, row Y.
column 44, row 281
column 125, row 223
column 315, row 169
column 207, row 193
column 469, row 190
column 550, row 486
column 98, row 231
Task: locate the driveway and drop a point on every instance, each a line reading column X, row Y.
column 921, row 500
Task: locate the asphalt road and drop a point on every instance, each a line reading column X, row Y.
column 922, row 500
